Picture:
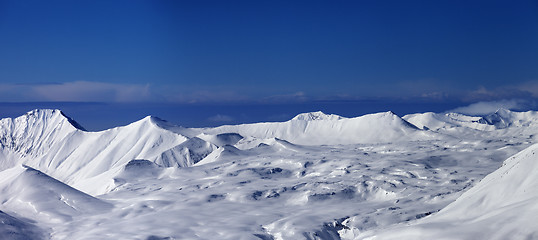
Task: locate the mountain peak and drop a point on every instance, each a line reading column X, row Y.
column 156, row 121
column 48, row 114
column 390, row 113
column 146, row 121
column 316, row 116
column 43, row 112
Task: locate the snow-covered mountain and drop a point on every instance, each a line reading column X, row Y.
column 317, row 116
column 53, row 143
column 316, row 176
column 501, row 119
column 504, row 118
column 446, row 121
column 318, row 128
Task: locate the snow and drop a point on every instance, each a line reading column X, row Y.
column 321, row 129
column 436, row 121
column 47, row 140
column 16, row 229
column 57, row 201
column 501, row 119
column 504, row 205
column 316, row 176
column 316, row 116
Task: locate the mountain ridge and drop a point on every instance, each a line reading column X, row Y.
column 500, row 119
column 316, row 116
column 46, row 140
column 152, row 170
column 377, row 127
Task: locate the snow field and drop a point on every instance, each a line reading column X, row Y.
column 316, row 176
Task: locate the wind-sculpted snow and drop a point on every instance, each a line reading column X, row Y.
column 289, row 193
column 316, row 176
column 504, row 205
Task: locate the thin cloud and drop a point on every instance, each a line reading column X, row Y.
column 178, row 94
column 526, row 90
column 78, row 91
column 294, row 97
column 220, row 118
column 86, row 91
column 530, row 87
column 484, row 108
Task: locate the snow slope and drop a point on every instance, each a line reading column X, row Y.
column 316, row 176
column 504, row 118
column 16, row 229
column 49, row 141
column 57, row 201
column 504, row 205
column 33, row 134
column 501, row 119
column 318, row 128
column 437, row 121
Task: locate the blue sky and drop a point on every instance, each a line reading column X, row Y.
column 270, row 52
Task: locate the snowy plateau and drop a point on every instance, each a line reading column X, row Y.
column 316, row 176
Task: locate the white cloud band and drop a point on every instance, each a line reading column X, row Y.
column 484, row 108
column 78, row 91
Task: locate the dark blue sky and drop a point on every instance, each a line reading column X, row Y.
column 184, row 52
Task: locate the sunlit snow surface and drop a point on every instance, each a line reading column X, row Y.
column 263, row 186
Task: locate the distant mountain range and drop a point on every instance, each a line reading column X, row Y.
column 52, row 142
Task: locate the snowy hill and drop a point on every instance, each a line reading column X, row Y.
column 58, row 201
column 318, row 128
column 49, row 141
column 504, row 118
column 504, row 205
column 501, row 119
column 437, row 121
